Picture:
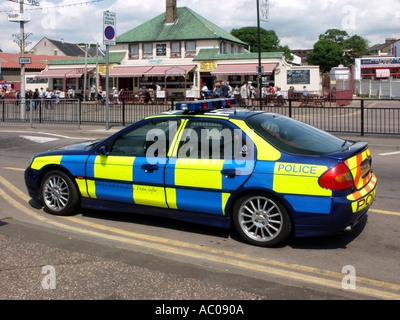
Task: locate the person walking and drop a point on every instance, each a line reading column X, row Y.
column 252, row 94
column 225, row 91
column 244, row 95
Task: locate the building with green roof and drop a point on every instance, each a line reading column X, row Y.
column 182, row 51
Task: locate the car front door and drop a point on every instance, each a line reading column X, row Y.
column 130, row 168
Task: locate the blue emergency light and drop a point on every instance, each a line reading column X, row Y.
column 201, row 105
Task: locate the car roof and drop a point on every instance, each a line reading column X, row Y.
column 230, row 113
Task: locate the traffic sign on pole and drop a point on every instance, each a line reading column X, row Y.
column 109, row 23
column 25, row 60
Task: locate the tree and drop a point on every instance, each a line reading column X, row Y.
column 335, row 48
column 326, row 54
column 335, row 35
column 355, row 47
column 269, row 40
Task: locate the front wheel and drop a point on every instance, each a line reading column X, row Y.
column 59, row 194
column 262, row 220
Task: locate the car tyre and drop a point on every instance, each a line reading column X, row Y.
column 262, row 220
column 59, row 194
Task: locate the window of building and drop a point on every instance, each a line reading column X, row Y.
column 161, row 50
column 134, row 51
column 175, row 49
column 147, row 51
column 228, row 48
column 190, row 49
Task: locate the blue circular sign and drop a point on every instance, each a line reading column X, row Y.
column 109, row 33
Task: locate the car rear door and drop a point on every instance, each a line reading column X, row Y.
column 210, row 162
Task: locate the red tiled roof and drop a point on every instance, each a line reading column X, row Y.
column 11, row 61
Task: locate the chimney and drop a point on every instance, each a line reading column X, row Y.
column 171, row 14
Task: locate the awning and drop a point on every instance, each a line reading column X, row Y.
column 376, row 66
column 243, row 69
column 383, row 73
column 63, row 73
column 170, row 70
column 128, row 71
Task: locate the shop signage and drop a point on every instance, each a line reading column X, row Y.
column 208, row 66
column 19, row 17
column 376, row 61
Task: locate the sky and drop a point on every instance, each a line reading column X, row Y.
column 297, row 23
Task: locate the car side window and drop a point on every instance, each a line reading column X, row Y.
column 151, row 139
column 210, row 140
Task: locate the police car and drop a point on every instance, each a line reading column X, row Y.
column 268, row 176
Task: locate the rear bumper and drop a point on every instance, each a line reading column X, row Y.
column 346, row 211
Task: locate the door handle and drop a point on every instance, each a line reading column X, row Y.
column 230, row 173
column 149, row 168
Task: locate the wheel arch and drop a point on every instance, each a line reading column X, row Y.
column 258, row 192
column 54, row 167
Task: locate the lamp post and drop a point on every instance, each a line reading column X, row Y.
column 21, row 41
column 260, row 68
column 85, row 77
column 262, row 14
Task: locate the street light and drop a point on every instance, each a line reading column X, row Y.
column 21, row 41
column 262, row 14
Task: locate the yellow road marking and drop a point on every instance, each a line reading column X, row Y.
column 232, row 254
column 355, row 112
column 385, row 212
column 208, row 253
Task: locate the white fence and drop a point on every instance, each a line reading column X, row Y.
column 380, row 89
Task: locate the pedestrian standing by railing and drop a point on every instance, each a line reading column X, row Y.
column 35, row 101
column 28, row 97
column 92, row 92
column 49, row 97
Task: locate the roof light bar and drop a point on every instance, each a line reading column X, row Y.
column 210, row 104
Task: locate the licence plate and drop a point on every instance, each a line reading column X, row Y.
column 365, row 168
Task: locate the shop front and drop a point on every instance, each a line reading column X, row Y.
column 380, row 68
column 237, row 74
column 63, row 79
column 172, row 81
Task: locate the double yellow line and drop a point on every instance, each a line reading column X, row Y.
column 311, row 275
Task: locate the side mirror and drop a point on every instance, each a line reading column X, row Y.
column 104, row 151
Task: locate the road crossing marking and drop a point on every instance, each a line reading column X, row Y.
column 39, row 139
column 389, row 154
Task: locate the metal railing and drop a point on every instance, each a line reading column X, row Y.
column 358, row 116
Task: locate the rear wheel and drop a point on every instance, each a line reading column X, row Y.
column 59, row 194
column 262, row 220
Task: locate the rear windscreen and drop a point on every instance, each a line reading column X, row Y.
column 295, row 137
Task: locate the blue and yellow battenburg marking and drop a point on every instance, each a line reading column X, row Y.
column 40, row 162
column 200, row 185
column 300, row 179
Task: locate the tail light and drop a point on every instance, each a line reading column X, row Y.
column 337, row 178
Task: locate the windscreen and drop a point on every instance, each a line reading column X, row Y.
column 295, row 137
